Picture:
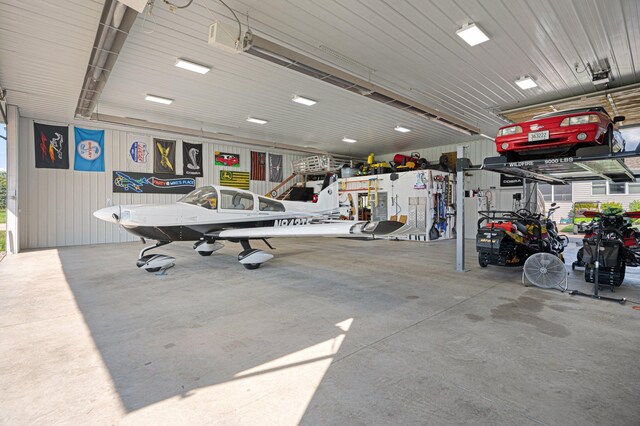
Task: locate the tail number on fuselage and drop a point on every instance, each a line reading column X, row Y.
column 291, row 222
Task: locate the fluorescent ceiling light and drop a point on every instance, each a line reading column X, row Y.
column 526, row 83
column 158, row 99
column 257, row 120
column 304, row 101
column 401, row 129
column 347, row 140
column 472, row 34
column 192, row 66
column 486, row 136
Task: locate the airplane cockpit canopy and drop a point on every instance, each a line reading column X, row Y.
column 206, row 197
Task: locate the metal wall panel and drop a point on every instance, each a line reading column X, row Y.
column 56, row 206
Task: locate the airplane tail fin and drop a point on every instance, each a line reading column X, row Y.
column 328, row 197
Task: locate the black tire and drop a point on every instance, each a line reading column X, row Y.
column 423, row 164
column 573, row 266
column 251, row 266
column 482, row 263
column 152, row 270
column 205, row 253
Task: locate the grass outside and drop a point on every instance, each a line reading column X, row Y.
column 568, row 228
column 3, row 216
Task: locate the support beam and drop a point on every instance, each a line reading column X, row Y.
column 13, row 240
column 460, row 210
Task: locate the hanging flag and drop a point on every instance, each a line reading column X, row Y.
column 234, row 179
column 138, row 150
column 258, row 165
column 226, row 159
column 164, row 156
column 275, row 168
column 192, row 158
column 52, row 146
column 89, row 150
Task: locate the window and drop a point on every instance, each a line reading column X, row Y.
column 206, row 197
column 555, row 193
column 267, row 205
column 598, row 188
column 546, row 191
column 617, row 188
column 235, row 200
column 634, row 188
column 611, row 188
column 561, row 193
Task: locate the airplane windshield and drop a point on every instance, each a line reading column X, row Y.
column 206, row 197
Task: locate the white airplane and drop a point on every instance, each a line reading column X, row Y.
column 212, row 213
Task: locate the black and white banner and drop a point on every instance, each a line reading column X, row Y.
column 192, row 159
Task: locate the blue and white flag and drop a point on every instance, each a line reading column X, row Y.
column 89, row 150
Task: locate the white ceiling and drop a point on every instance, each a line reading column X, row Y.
column 44, row 50
column 411, row 45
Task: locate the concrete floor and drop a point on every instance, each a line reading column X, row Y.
column 319, row 335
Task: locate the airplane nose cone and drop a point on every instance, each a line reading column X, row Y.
column 108, row 214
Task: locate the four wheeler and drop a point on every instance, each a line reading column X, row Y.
column 507, row 238
column 617, row 243
column 413, row 162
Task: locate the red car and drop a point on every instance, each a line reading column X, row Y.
column 559, row 133
column 227, row 159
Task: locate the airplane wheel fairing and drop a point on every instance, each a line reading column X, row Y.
column 254, row 258
column 251, row 266
column 205, row 253
column 155, row 262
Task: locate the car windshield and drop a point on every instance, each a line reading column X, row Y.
column 206, row 197
column 571, row 111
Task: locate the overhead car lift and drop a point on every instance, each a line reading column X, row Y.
column 590, row 163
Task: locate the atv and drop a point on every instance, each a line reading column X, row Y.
column 507, row 238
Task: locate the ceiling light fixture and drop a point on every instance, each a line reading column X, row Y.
column 401, row 129
column 347, row 140
column 304, row 101
column 472, row 34
column 158, row 99
column 487, row 136
column 526, row 82
column 192, row 66
column 256, row 120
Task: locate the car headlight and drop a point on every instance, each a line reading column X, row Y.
column 580, row 119
column 510, row 131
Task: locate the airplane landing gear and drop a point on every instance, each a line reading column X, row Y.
column 205, row 248
column 155, row 262
column 252, row 258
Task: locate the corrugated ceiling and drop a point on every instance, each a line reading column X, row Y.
column 411, row 45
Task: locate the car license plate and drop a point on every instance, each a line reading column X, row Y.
column 538, row 136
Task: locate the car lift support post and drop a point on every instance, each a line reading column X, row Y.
column 461, row 165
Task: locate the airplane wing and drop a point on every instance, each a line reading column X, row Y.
column 332, row 229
